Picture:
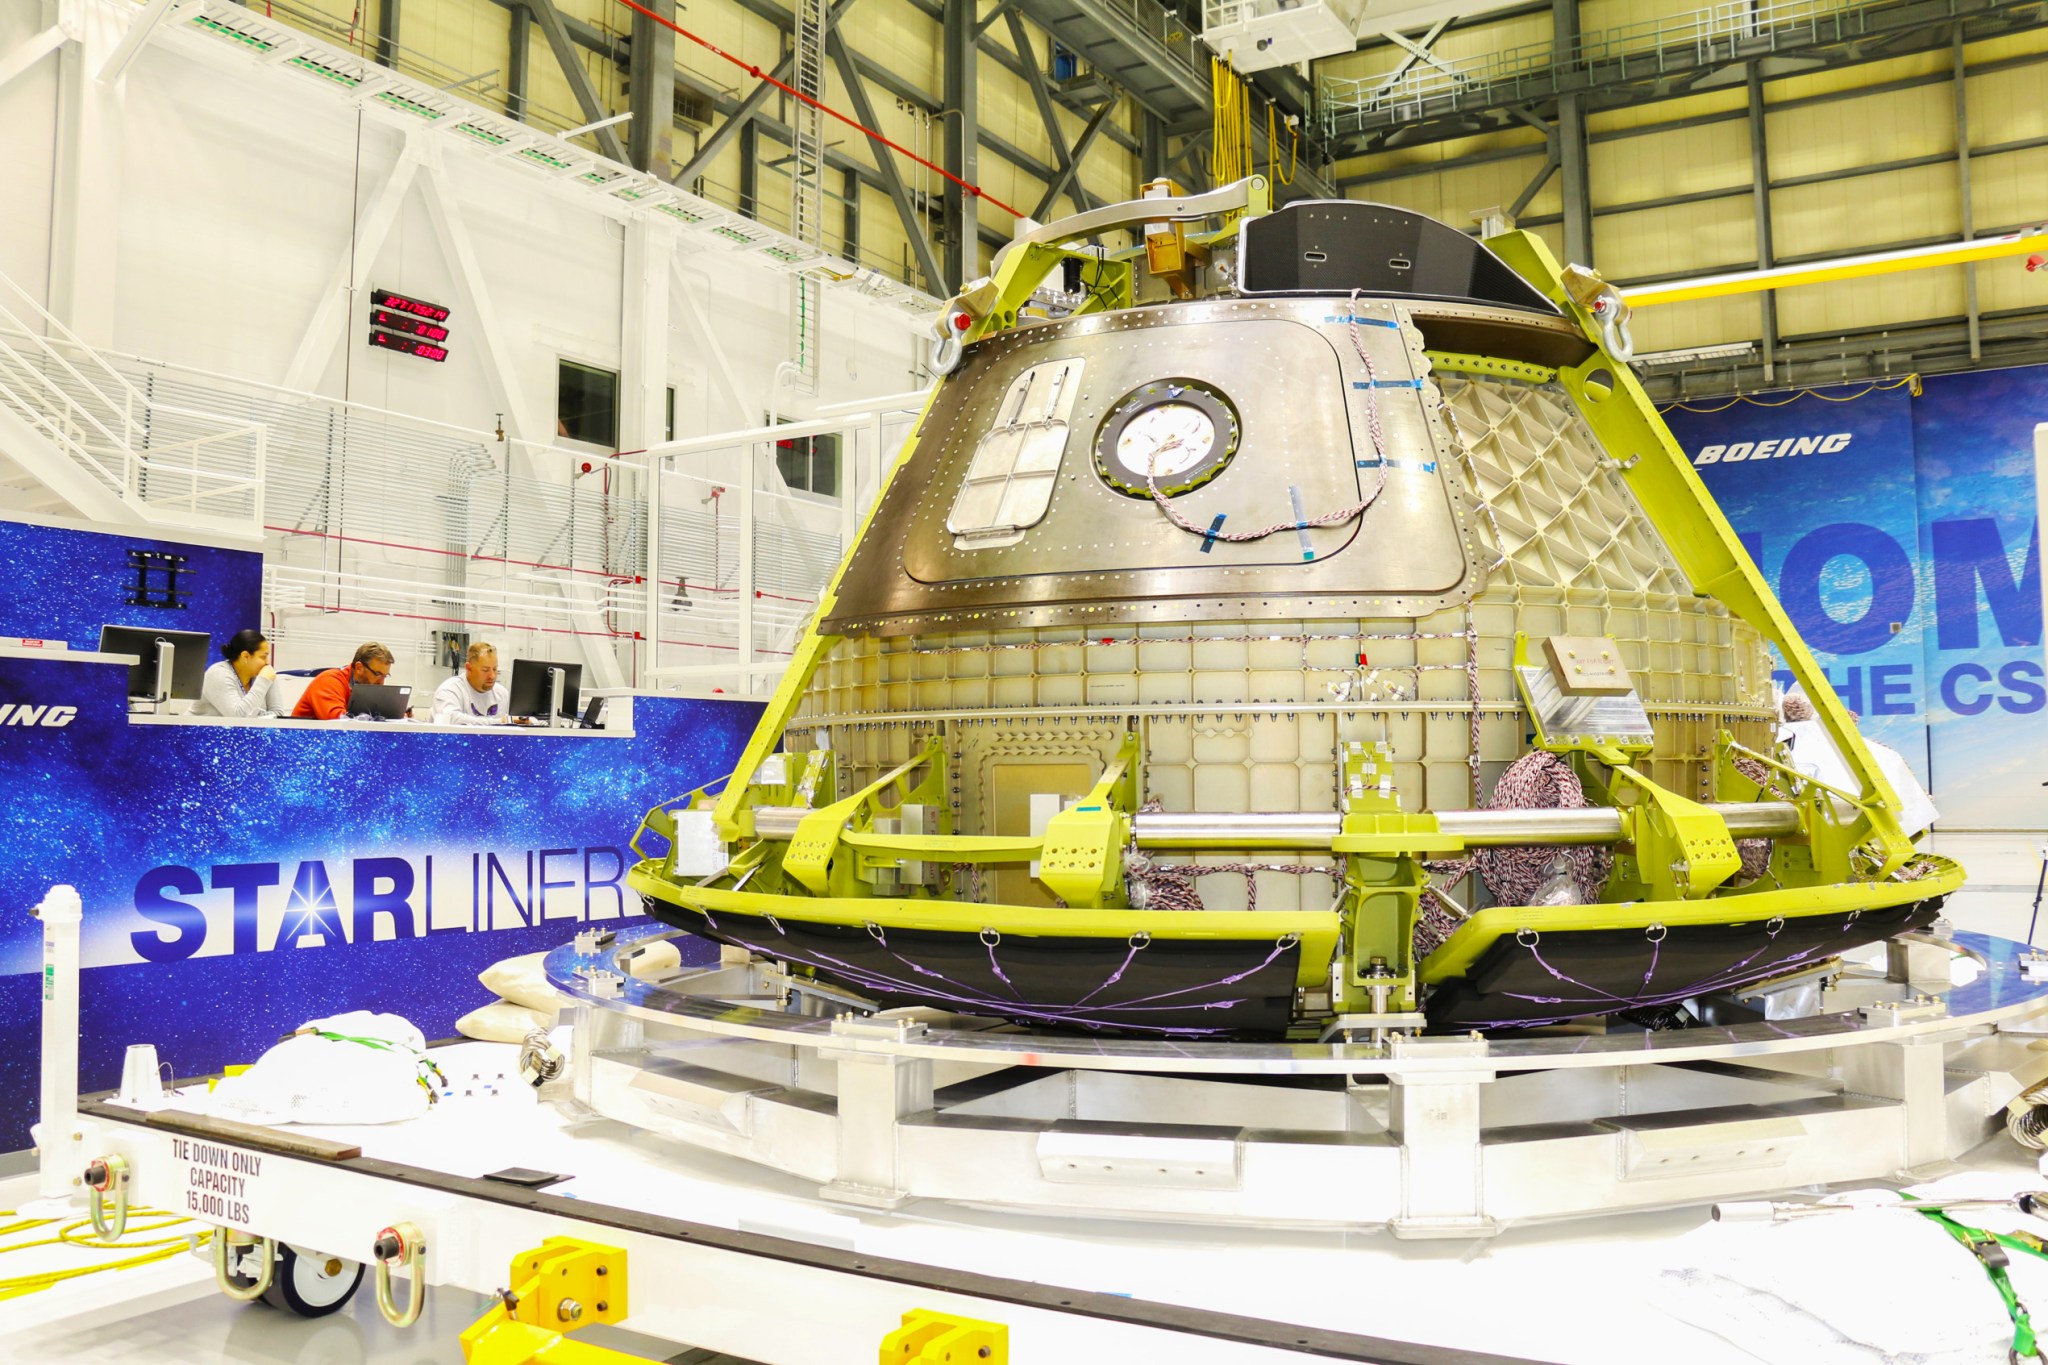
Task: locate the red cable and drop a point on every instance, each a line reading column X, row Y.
column 975, row 190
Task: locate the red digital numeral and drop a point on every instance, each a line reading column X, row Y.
column 406, row 345
column 384, row 298
column 398, row 322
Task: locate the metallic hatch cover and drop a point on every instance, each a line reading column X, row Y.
column 1098, row 554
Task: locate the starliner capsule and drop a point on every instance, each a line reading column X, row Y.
column 1298, row 627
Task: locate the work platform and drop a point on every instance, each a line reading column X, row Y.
column 1898, row 1064
column 1052, row 1185
column 735, row 1259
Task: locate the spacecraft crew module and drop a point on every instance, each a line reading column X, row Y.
column 1338, row 645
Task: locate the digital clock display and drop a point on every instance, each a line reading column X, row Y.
column 409, row 345
column 399, row 303
column 399, row 322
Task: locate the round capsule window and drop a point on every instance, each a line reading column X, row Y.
column 1174, row 434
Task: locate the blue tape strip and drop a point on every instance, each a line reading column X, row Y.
column 1209, row 540
column 1386, row 384
column 1427, row 468
column 1308, row 551
column 1363, row 322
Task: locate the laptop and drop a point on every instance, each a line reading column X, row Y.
column 380, row 700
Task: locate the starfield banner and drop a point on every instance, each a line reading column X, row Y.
column 1899, row 533
column 64, row 583
column 240, row 879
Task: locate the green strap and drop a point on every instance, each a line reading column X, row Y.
column 381, row 1044
column 422, row 1062
column 1989, row 1248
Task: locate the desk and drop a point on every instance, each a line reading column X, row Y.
column 240, row 877
column 388, row 727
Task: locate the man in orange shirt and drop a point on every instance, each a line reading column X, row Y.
column 326, row 697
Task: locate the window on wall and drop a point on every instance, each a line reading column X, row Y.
column 587, row 404
column 810, row 463
column 668, row 429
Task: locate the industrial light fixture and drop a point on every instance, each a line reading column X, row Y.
column 1729, row 351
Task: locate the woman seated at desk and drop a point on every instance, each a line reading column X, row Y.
column 243, row 683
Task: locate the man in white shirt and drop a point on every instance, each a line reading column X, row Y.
column 474, row 696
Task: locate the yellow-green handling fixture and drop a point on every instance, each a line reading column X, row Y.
column 1323, row 636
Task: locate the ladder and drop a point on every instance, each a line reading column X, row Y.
column 807, row 184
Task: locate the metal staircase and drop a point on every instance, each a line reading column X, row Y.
column 78, row 437
column 1141, row 45
column 1150, row 52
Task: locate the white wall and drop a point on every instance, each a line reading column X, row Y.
column 237, row 189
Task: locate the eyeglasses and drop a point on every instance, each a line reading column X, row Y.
column 378, row 674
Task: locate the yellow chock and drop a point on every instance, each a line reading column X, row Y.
column 565, row 1284
column 928, row 1338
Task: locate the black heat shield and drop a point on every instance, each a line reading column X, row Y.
column 1188, row 988
column 1332, row 246
column 1522, row 980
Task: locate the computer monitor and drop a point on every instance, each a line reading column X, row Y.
column 169, row 664
column 544, row 690
column 382, row 700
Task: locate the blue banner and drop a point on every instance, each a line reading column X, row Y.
column 240, row 879
column 1982, row 555
column 1821, row 489
column 1899, row 531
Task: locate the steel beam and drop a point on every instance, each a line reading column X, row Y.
column 1959, row 78
column 995, row 12
column 550, row 20
column 1066, row 175
column 1760, row 175
column 387, row 32
column 722, row 136
column 651, row 90
column 891, row 82
column 589, row 37
column 960, row 133
column 725, row 104
column 140, row 31
column 849, row 225
column 1533, row 188
column 1634, row 77
column 1188, row 148
column 1419, row 52
column 519, row 61
column 1929, row 346
column 1534, row 149
column 750, row 169
column 1035, row 78
column 1003, row 57
column 915, row 228
column 1670, row 201
column 1809, row 257
column 1568, row 143
column 1472, row 20
column 1152, row 147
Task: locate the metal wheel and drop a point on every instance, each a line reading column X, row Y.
column 308, row 1283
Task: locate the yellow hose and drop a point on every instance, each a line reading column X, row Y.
column 1231, row 130
column 158, row 1249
